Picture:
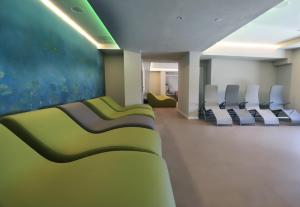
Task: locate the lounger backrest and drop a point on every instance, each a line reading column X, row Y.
column 112, row 103
column 50, row 132
column 252, row 96
column 276, row 97
column 11, row 145
column 232, row 95
column 151, row 95
column 100, row 107
column 211, row 95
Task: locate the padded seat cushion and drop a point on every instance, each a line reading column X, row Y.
column 56, row 136
column 106, row 112
column 114, row 105
column 112, row 179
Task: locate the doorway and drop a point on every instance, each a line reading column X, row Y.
column 161, row 78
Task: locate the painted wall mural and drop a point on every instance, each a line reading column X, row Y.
column 43, row 61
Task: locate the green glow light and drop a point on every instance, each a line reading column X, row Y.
column 101, row 24
column 88, row 20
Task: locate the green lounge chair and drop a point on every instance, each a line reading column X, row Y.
column 112, row 179
column 114, row 105
column 55, row 135
column 160, row 101
column 106, row 112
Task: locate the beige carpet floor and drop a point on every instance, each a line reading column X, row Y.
column 239, row 166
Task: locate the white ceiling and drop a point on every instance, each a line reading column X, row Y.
column 279, row 24
column 176, row 25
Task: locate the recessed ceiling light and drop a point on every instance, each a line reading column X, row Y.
column 179, row 18
column 76, row 9
column 218, row 19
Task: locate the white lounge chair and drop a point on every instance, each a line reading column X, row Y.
column 252, row 105
column 212, row 109
column 277, row 105
column 232, row 104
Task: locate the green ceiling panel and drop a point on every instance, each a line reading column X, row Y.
column 83, row 14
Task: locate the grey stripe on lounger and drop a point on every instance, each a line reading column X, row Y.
column 244, row 116
column 90, row 121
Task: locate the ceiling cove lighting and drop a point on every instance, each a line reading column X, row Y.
column 71, row 22
column 102, row 26
column 164, row 69
column 248, row 45
column 282, row 5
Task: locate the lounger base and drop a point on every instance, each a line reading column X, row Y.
column 221, row 117
column 293, row 115
column 244, row 117
column 267, row 116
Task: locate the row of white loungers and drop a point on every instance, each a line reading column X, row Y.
column 251, row 111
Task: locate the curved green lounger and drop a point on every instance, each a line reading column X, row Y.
column 160, row 101
column 56, row 136
column 106, row 112
column 112, row 179
column 114, row 105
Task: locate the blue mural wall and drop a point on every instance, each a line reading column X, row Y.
column 43, row 61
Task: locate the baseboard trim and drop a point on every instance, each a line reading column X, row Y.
column 182, row 114
column 186, row 116
column 193, row 117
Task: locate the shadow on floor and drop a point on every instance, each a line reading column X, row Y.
column 180, row 177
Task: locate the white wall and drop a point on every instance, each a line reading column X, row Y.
column 123, row 76
column 295, row 80
column 183, row 85
column 172, row 81
column 284, row 77
column 146, row 67
column 114, row 77
column 205, row 78
column 243, row 72
column 132, row 77
column 194, row 77
column 162, row 82
column 154, row 82
column 188, row 90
